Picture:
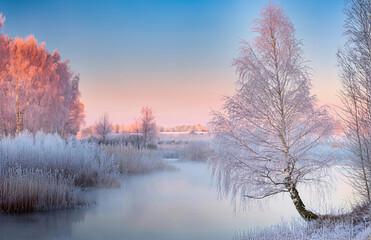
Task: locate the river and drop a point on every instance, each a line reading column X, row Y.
column 171, row 205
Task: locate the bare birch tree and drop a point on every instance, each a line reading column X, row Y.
column 266, row 135
column 103, row 127
column 354, row 60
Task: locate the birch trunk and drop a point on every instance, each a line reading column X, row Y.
column 18, row 110
column 296, row 199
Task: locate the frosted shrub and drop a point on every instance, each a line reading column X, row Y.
column 132, row 160
column 195, row 151
column 26, row 190
column 85, row 162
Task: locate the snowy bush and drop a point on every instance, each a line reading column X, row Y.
column 85, row 162
column 132, row 160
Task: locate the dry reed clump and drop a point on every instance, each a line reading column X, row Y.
column 24, row 190
column 43, row 171
column 84, row 161
column 169, row 151
column 195, row 151
column 131, row 160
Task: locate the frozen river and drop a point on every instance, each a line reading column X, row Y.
column 169, row 205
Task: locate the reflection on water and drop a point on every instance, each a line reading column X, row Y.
column 167, row 205
column 50, row 225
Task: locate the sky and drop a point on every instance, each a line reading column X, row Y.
column 174, row 56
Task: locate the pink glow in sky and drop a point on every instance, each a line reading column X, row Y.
column 174, row 56
column 174, row 102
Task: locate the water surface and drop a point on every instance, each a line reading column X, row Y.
column 166, row 205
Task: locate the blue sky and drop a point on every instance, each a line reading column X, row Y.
column 172, row 55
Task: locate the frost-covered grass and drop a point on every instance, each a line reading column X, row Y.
column 185, row 146
column 44, row 171
column 132, row 160
column 174, row 138
column 85, row 162
column 25, row 190
column 195, row 151
column 301, row 230
column 340, row 224
column 169, row 151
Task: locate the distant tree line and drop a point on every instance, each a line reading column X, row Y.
column 184, row 128
column 38, row 91
column 142, row 133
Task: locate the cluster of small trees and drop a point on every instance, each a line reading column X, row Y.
column 38, row 91
column 268, row 135
column 142, row 132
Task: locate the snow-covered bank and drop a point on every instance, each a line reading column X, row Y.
column 298, row 229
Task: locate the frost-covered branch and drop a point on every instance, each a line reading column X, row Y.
column 267, row 134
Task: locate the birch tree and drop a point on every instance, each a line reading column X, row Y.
column 27, row 59
column 354, row 60
column 38, row 91
column 5, row 83
column 103, row 127
column 266, row 134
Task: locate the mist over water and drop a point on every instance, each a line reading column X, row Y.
column 180, row 204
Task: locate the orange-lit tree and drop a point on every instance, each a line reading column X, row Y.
column 38, row 90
